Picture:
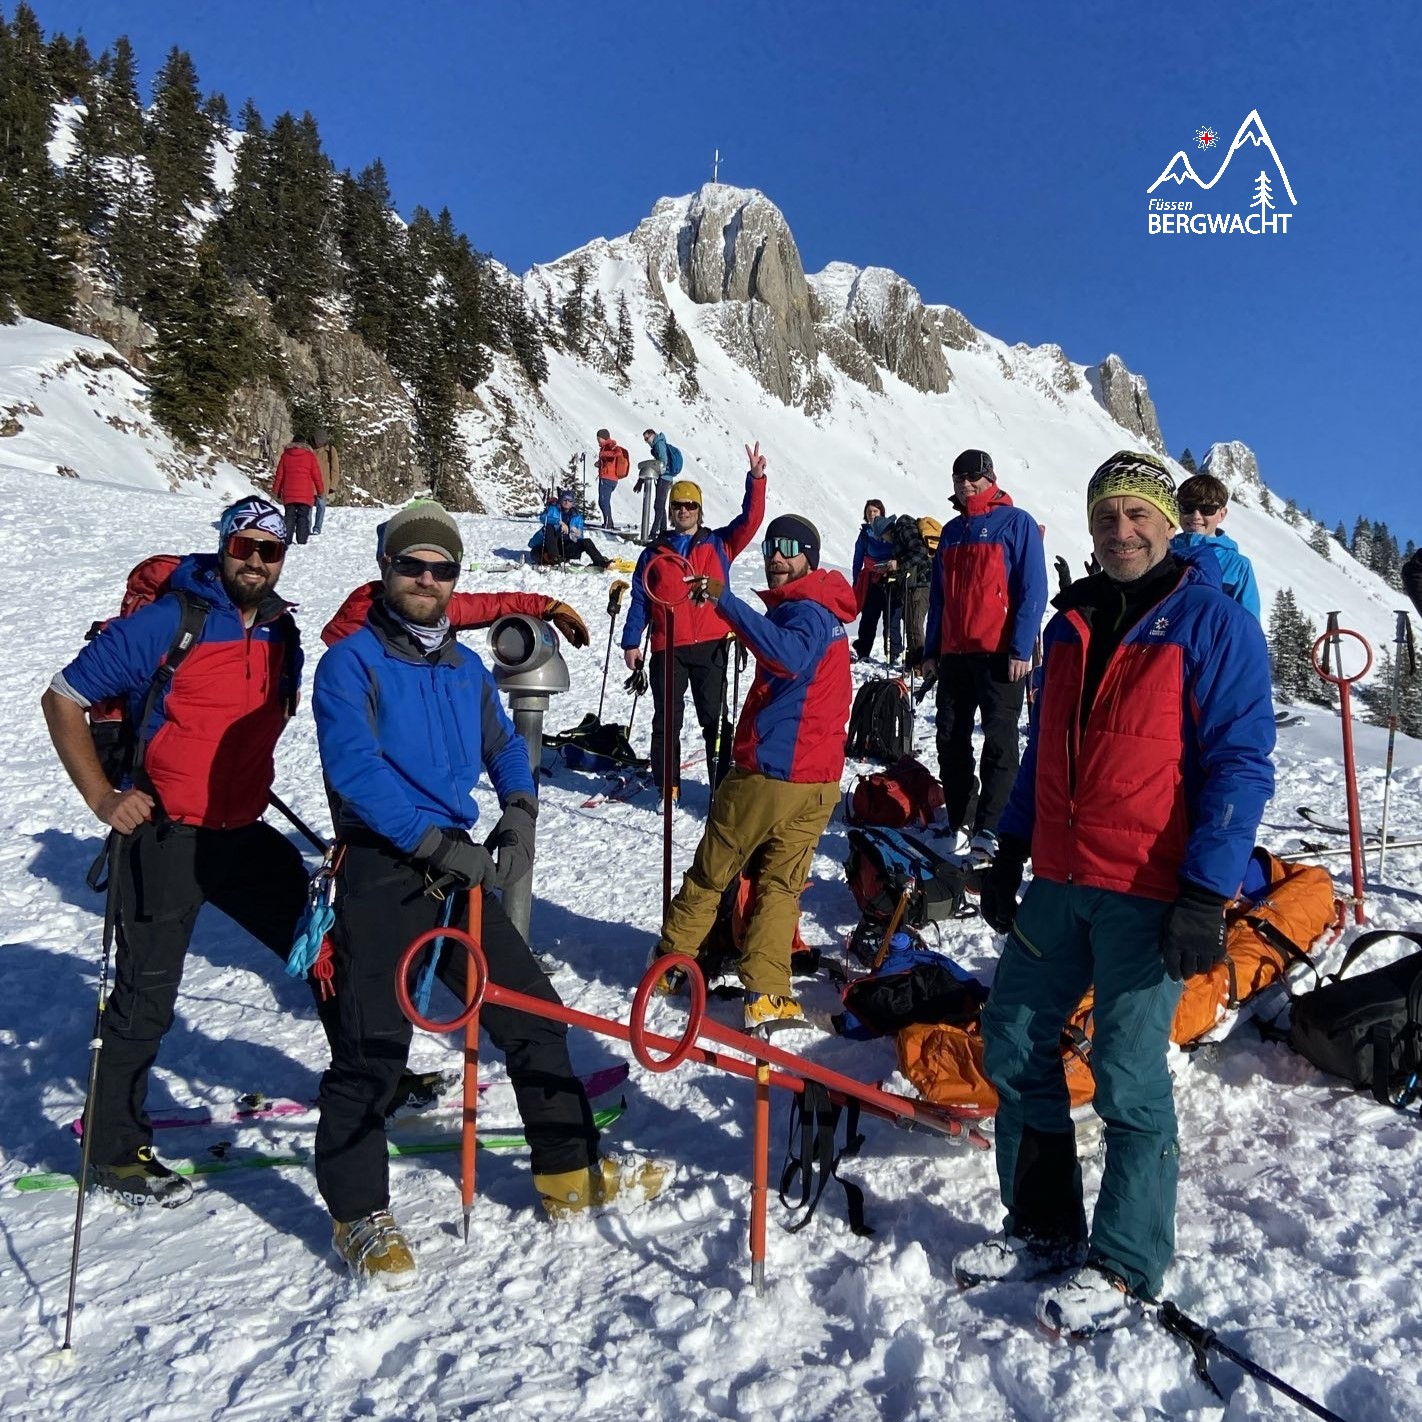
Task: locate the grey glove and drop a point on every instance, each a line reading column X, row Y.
column 512, row 839
column 450, row 857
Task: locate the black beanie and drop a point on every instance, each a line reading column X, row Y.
column 800, row 529
column 976, row 464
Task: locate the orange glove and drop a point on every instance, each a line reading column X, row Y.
column 567, row 621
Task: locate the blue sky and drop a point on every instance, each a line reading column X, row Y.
column 997, row 156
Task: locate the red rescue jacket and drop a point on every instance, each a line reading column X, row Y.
column 298, row 476
column 466, row 610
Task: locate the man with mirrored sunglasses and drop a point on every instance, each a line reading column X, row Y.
column 187, row 826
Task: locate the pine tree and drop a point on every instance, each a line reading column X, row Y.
column 1319, row 541
column 375, row 253
column 71, row 68
column 1291, row 514
column 1291, row 639
column 122, row 108
column 246, row 220
column 179, row 144
column 36, row 272
column 1377, row 694
column 203, row 351
column 676, row 344
column 1340, row 535
column 298, row 182
column 574, row 311
column 624, row 348
column 216, row 111
column 1361, row 543
column 1187, row 462
column 1265, row 501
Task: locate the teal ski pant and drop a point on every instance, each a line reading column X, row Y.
column 1067, row 938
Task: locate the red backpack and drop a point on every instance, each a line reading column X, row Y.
column 622, row 463
column 905, row 794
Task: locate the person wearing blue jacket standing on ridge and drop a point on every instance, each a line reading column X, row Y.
column 1146, row 776
column 669, row 457
column 1204, row 501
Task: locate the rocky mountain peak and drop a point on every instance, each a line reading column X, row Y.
column 1126, row 398
column 1234, row 464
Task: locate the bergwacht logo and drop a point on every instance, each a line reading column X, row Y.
column 1179, row 214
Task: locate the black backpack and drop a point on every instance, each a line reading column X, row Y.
column 881, row 721
column 1366, row 1029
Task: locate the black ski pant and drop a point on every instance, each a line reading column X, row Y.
column 557, row 549
column 881, row 601
column 663, row 488
column 298, row 523
column 381, row 904
column 915, row 598
column 969, row 685
column 166, row 873
column 702, row 667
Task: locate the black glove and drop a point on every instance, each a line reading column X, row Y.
column 914, row 658
column 451, row 857
column 512, row 839
column 1000, row 881
column 1192, row 935
column 637, row 682
column 742, row 655
column 1063, row 573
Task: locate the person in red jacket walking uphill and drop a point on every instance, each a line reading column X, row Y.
column 775, row 802
column 189, row 829
column 701, row 631
column 298, row 484
column 985, row 604
column 1145, row 778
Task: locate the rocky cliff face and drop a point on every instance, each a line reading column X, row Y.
column 1236, row 467
column 1126, row 399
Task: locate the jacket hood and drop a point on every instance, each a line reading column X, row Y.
column 994, row 496
column 822, row 585
column 1183, row 541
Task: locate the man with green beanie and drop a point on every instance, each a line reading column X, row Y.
column 1145, row 778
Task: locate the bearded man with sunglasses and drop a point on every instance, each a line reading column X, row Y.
column 408, row 721
column 700, row 652
column 187, row 827
column 775, row 802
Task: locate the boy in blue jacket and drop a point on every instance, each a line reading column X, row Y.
column 1204, row 501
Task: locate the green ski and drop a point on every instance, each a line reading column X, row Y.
column 439, row 1145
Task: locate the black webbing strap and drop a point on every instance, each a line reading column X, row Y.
column 810, row 1152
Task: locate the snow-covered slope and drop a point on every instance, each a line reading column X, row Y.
column 72, row 406
column 1299, row 1229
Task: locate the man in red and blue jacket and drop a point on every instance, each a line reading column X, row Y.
column 1145, row 779
column 985, row 604
column 773, row 805
column 700, row 653
column 187, row 830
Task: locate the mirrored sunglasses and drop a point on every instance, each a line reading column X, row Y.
column 241, row 547
column 786, row 547
column 408, row 566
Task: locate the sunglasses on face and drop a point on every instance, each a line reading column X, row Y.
column 1209, row 510
column 684, row 506
column 786, row 547
column 270, row 550
column 408, row 566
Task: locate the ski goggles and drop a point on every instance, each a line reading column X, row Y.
column 408, row 566
column 1209, row 510
column 786, row 547
column 269, row 550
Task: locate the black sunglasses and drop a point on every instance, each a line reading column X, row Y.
column 1209, row 510
column 682, row 504
column 408, row 566
column 270, row 550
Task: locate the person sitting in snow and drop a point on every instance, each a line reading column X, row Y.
column 1204, row 501
column 562, row 538
column 408, row 721
column 776, row 800
column 1146, row 775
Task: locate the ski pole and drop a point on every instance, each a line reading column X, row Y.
column 614, row 606
column 305, row 830
column 1201, row 1340
column 116, row 842
column 671, row 755
column 1401, row 638
column 468, row 1135
column 740, row 655
column 1334, row 637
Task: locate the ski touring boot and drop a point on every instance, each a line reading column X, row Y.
column 608, row 1181
column 1092, row 1300
column 142, row 1180
column 1011, row 1259
column 982, row 849
column 418, row 1091
column 766, row 1012
column 376, row 1251
column 673, row 982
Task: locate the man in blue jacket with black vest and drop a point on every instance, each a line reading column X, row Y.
column 408, row 720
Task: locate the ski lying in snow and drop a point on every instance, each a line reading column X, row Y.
column 229, row 1160
column 1373, row 836
column 256, row 1107
column 1289, row 718
column 629, row 785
